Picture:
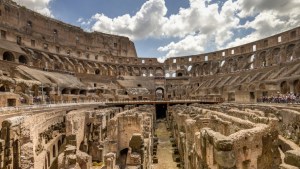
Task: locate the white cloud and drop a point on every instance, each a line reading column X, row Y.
column 146, row 22
column 187, row 46
column 252, row 7
column 201, row 23
column 40, row 6
column 270, row 20
column 79, row 20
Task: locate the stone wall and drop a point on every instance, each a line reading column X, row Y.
column 230, row 136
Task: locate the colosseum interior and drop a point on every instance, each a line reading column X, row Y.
column 71, row 99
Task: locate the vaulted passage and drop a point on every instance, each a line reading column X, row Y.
column 161, row 110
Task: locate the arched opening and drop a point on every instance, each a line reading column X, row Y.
column 97, row 71
column 297, row 87
column 8, row 56
column 83, row 92
column 53, row 151
column 65, row 91
column 74, row 91
column 159, row 72
column 56, row 67
column 290, row 51
column 3, row 88
column 262, row 59
column 159, row 93
column 179, row 74
column 284, row 87
column 23, row 59
column 59, row 145
column 161, row 111
column 123, row 157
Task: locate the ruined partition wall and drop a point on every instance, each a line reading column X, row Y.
column 112, row 137
column 130, row 138
column 211, row 139
column 32, row 141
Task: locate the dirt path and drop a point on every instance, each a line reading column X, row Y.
column 164, row 148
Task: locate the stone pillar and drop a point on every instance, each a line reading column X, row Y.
column 224, row 154
column 2, row 147
column 110, row 161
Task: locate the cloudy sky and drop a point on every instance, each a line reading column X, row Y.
column 168, row 28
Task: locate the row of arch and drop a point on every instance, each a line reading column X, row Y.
column 9, row 56
column 255, row 60
column 54, row 62
column 53, row 153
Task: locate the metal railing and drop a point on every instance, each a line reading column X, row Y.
column 46, row 105
column 68, row 104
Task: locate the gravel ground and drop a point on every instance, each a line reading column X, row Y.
column 164, row 148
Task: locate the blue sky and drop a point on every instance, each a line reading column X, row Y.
column 169, row 28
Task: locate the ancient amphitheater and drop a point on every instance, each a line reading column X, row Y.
column 74, row 99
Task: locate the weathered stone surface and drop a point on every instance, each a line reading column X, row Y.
column 292, row 157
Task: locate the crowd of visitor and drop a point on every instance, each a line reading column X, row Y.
column 280, row 98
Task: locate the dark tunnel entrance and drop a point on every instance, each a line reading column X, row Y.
column 161, row 111
column 123, row 158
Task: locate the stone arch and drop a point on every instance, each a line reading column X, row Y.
column 214, row 67
column 23, row 59
column 261, row 61
column 121, row 71
column 129, row 70
column 144, row 71
column 231, row 65
column 159, row 93
column 65, row 91
column 290, row 51
column 20, row 88
column 105, row 70
column 97, row 71
column 8, row 56
column 4, row 88
column 296, row 85
column 194, row 70
column 276, row 57
column 136, row 71
column 57, row 66
column 159, row 71
column 284, row 87
column 150, row 71
column 75, row 91
column 205, row 69
column 83, row 92
column 241, row 60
